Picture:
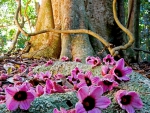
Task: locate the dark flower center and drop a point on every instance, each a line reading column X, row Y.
column 88, row 103
column 95, row 61
column 20, row 96
column 73, row 79
column 77, row 71
column 118, row 73
column 88, row 81
column 108, row 60
column 108, row 83
column 126, row 99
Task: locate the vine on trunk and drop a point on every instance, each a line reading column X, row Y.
column 113, row 51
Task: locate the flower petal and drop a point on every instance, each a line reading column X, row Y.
column 95, row 110
column 30, row 96
column 55, row 110
column 25, row 104
column 119, row 94
column 96, row 79
column 120, row 64
column 125, row 78
column 11, row 104
column 83, row 93
column 10, row 90
column 96, row 91
column 129, row 109
column 127, row 70
column 136, row 101
column 79, row 108
column 102, row 102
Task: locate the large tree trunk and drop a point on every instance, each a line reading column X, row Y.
column 95, row 15
column 133, row 26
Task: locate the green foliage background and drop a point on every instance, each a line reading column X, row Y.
column 7, row 25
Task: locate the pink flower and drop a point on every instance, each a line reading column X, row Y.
column 39, row 90
column 128, row 100
column 108, row 83
column 74, row 75
column 59, row 76
column 109, row 60
column 91, row 100
column 94, row 61
column 3, row 77
column 73, row 79
column 19, row 96
column 2, row 99
column 76, row 71
column 17, row 78
column 22, row 68
column 105, row 70
column 53, row 87
column 62, row 110
column 45, row 75
column 120, row 71
column 77, row 60
column 64, row 58
column 48, row 63
column 87, row 79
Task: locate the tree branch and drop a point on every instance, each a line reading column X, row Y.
column 137, row 49
column 25, row 13
column 18, row 32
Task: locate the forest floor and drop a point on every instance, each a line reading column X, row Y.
column 16, row 63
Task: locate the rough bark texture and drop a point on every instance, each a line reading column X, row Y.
column 133, row 26
column 100, row 19
column 46, row 104
column 72, row 14
column 46, row 44
column 66, row 6
column 136, row 27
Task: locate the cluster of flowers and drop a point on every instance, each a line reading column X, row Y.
column 89, row 88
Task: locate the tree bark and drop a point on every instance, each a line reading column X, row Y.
column 73, row 14
column 133, row 26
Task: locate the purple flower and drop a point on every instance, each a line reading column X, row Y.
column 48, row 63
column 91, row 100
column 128, row 100
column 107, row 82
column 105, row 70
column 120, row 72
column 77, row 60
column 17, row 78
column 74, row 75
column 76, row 71
column 19, row 96
column 3, row 77
column 45, row 76
column 87, row 79
column 94, row 61
column 73, row 79
column 39, row 90
column 64, row 58
column 2, row 99
column 53, row 87
column 109, row 60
